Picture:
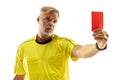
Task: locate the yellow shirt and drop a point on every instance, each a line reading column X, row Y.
column 44, row 61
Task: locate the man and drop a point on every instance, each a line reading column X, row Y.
column 45, row 56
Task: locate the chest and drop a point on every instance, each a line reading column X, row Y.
column 44, row 52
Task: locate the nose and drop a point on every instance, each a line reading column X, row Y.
column 51, row 24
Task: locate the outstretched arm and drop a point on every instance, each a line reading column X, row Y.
column 90, row 50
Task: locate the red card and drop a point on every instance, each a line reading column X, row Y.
column 97, row 20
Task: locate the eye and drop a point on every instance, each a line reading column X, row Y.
column 55, row 21
column 48, row 18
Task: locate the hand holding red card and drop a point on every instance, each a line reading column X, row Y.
column 97, row 20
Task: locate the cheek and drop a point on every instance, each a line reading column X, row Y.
column 54, row 25
column 45, row 23
column 42, row 27
column 42, row 24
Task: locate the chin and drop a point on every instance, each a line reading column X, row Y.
column 48, row 34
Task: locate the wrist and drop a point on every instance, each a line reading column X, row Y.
column 100, row 49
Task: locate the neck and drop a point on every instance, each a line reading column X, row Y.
column 42, row 40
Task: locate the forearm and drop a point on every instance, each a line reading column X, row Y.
column 19, row 77
column 85, row 51
column 90, row 50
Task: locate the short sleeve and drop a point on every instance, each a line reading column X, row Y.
column 18, row 67
column 69, row 45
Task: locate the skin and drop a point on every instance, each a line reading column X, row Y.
column 19, row 77
column 47, row 23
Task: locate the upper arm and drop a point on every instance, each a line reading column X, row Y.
column 18, row 65
column 75, row 51
column 19, row 77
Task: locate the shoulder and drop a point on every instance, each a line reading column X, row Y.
column 58, row 37
column 63, row 39
column 28, row 41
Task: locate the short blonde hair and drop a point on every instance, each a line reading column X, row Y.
column 49, row 9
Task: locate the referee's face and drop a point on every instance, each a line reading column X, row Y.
column 47, row 23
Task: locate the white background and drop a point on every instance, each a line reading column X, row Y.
column 18, row 22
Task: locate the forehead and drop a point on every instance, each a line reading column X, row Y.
column 51, row 14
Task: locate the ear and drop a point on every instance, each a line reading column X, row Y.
column 38, row 19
